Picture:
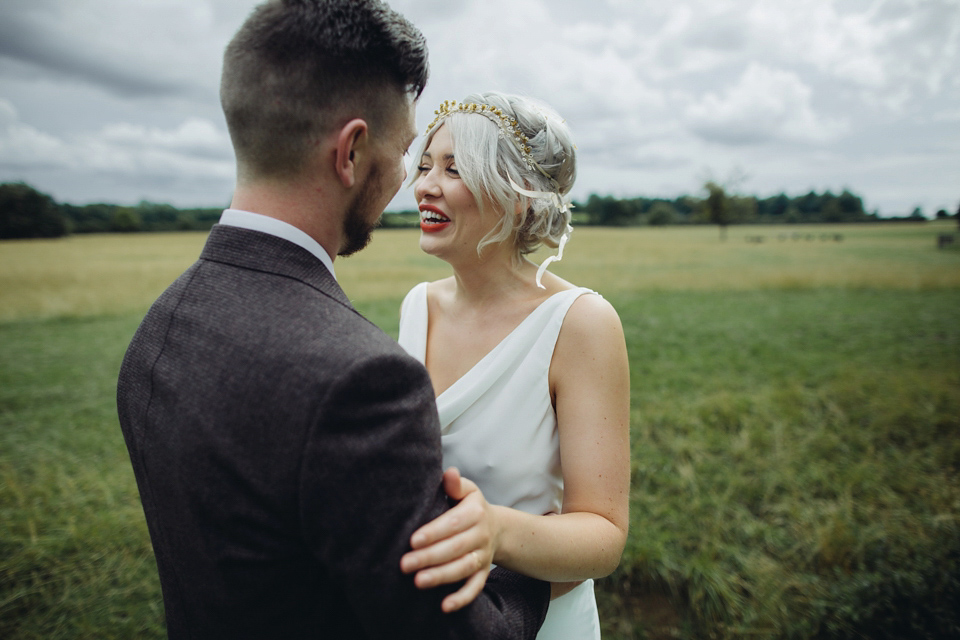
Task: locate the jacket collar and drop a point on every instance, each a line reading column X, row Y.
column 260, row 251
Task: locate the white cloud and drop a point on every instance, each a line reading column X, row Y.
column 814, row 32
column 135, row 49
column 765, row 104
column 896, row 52
column 695, row 38
column 951, row 115
column 195, row 148
column 24, row 147
column 194, row 137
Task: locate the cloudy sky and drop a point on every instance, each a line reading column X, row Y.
column 116, row 101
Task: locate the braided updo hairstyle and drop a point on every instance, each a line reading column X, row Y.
column 487, row 161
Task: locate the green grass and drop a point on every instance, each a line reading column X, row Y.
column 795, row 430
column 75, row 556
column 794, row 455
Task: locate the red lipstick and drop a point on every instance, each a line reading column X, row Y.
column 432, row 219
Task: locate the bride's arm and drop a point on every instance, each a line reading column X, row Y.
column 589, row 379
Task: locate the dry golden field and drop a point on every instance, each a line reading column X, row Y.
column 88, row 275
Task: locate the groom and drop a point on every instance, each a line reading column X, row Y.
column 285, row 448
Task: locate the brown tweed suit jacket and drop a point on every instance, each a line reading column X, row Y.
column 285, row 449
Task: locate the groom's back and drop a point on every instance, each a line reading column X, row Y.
column 224, row 386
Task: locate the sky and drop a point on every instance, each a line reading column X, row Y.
column 117, row 101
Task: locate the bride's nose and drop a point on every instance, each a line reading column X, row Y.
column 426, row 184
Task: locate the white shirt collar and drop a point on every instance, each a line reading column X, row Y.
column 278, row 228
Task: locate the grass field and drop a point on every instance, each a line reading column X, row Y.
column 795, row 427
column 110, row 274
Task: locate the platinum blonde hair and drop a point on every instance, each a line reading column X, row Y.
column 488, row 161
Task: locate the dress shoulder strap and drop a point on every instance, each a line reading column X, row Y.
column 413, row 322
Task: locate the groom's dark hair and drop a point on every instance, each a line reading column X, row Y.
column 298, row 68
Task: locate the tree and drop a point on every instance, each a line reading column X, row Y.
column 851, row 207
column 777, row 206
column 685, row 206
column 27, row 213
column 125, row 219
column 157, row 217
column 661, row 214
column 743, row 209
column 90, row 218
column 808, row 206
column 831, row 211
column 718, row 207
column 608, row 211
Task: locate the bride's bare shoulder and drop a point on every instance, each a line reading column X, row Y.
column 444, row 286
column 591, row 323
column 439, row 292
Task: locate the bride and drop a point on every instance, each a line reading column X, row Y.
column 530, row 371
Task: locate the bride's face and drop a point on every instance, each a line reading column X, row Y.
column 450, row 219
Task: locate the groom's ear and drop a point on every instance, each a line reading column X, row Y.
column 352, row 144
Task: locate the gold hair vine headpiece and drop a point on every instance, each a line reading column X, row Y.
column 509, row 128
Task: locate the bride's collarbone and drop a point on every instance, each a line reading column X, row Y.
column 459, row 336
column 455, row 346
column 462, row 340
column 476, row 328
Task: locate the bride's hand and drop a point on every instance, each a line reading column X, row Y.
column 458, row 545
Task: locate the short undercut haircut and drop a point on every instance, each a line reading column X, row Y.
column 297, row 68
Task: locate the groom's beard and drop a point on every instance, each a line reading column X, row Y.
column 357, row 227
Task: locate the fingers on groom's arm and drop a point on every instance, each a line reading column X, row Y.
column 467, row 593
column 455, row 485
column 456, row 546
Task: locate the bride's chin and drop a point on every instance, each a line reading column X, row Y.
column 437, row 249
column 427, row 244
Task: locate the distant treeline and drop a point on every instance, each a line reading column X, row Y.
column 28, row 213
column 717, row 207
column 810, row 208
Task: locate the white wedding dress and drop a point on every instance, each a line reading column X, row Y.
column 500, row 430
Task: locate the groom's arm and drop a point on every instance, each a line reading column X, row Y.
column 371, row 476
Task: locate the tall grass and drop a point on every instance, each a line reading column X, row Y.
column 795, row 428
column 795, row 461
column 75, row 557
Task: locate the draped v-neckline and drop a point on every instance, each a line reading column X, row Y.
column 492, row 354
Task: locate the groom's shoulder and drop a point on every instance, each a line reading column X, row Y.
column 355, row 338
column 334, row 331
